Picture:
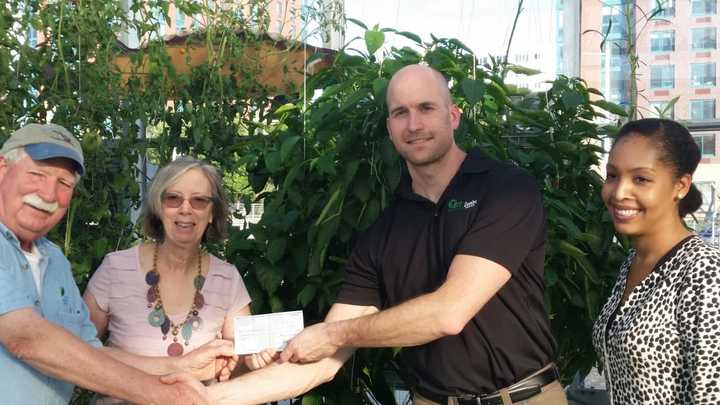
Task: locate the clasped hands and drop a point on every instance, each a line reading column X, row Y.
column 217, row 359
column 213, row 360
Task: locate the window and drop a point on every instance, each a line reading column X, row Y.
column 702, row 109
column 703, row 7
column 702, row 74
column 667, row 9
column 662, row 41
column 662, row 109
column 179, row 19
column 662, row 77
column 159, row 20
column 706, row 143
column 280, row 18
column 703, row 38
column 614, row 26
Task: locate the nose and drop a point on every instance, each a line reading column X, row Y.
column 185, row 207
column 48, row 190
column 621, row 189
column 414, row 121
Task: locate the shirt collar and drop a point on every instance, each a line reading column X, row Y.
column 475, row 162
column 41, row 243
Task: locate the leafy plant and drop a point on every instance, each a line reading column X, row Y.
column 318, row 157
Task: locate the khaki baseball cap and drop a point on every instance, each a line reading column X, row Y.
column 47, row 141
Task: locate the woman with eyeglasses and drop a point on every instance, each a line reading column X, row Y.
column 658, row 335
column 167, row 296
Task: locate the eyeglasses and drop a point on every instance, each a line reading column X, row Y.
column 174, row 200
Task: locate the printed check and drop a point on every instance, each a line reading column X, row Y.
column 255, row 333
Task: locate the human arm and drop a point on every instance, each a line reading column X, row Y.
column 287, row 380
column 54, row 351
column 496, row 243
column 471, row 282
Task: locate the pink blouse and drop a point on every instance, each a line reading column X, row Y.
column 120, row 290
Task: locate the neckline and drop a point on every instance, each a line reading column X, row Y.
column 141, row 272
column 657, row 271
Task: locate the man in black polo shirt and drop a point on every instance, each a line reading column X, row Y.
column 452, row 272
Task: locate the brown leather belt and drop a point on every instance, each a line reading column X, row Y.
column 520, row 391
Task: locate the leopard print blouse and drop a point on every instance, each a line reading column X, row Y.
column 662, row 346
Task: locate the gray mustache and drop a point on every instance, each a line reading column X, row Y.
column 36, row 201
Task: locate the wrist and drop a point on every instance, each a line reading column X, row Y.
column 337, row 331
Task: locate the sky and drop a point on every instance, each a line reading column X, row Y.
column 483, row 25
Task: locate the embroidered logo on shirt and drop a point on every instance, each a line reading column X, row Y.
column 454, row 205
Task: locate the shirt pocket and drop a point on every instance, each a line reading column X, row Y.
column 72, row 319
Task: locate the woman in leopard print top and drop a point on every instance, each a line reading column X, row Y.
column 658, row 335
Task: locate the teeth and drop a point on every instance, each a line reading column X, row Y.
column 626, row 213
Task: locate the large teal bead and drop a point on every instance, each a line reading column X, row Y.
column 186, row 331
column 156, row 317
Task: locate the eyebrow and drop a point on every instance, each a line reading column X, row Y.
column 420, row 104
column 634, row 169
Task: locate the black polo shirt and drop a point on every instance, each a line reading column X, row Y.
column 490, row 209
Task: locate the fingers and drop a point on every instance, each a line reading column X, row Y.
column 269, row 355
column 288, row 354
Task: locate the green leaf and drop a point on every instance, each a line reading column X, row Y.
column 306, row 295
column 572, row 99
column 312, row 399
column 409, row 35
column 276, row 250
column 287, row 147
column 374, row 39
column 269, row 277
column 551, row 278
column 522, row 70
column 379, row 86
column 610, row 107
column 285, row 108
column 325, row 164
column 361, row 189
column 273, row 161
column 357, row 22
column 473, row 90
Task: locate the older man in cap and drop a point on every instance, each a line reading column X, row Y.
column 47, row 342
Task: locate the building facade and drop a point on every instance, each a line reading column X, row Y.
column 676, row 71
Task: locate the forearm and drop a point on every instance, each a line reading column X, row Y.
column 277, row 381
column 56, row 352
column 150, row 365
column 414, row 322
column 471, row 282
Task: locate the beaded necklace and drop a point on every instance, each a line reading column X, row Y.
column 159, row 319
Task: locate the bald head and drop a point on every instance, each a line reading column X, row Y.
column 418, row 73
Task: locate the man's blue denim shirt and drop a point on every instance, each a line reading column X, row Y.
column 60, row 303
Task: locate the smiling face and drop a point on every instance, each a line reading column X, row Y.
column 34, row 196
column 421, row 119
column 641, row 192
column 184, row 225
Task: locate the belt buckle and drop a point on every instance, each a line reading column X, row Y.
column 516, row 395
